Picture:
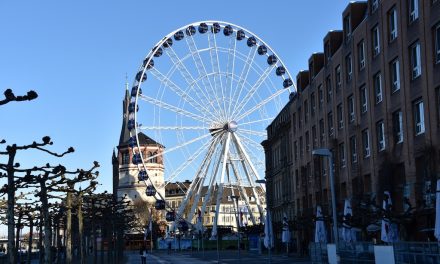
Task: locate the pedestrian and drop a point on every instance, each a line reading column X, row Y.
column 142, row 252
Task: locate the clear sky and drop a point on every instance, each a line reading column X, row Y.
column 76, row 55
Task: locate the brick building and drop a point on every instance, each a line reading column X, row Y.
column 373, row 98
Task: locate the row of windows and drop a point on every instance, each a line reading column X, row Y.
column 397, row 118
column 151, row 157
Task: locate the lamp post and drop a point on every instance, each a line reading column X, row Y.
column 327, row 153
column 235, row 198
column 270, row 222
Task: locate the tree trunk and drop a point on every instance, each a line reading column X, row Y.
column 17, row 236
column 40, row 240
column 46, row 223
column 11, row 204
column 94, row 243
column 81, row 230
column 31, row 230
column 69, row 229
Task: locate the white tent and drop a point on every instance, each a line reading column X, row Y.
column 285, row 236
column 437, row 212
column 268, row 231
column 388, row 232
column 348, row 233
column 320, row 233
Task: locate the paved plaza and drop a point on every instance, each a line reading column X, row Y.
column 163, row 257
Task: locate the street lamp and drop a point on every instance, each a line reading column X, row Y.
column 269, row 222
column 327, row 153
column 235, row 198
column 218, row 254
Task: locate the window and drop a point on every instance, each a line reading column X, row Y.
column 392, row 20
column 364, row 99
column 340, row 117
column 299, row 117
column 437, row 43
column 314, row 137
column 349, row 67
column 295, row 150
column 321, row 132
column 125, row 158
column 347, row 28
column 374, row 5
column 377, row 82
column 361, row 55
column 327, row 53
column 350, row 103
column 328, row 83
column 330, row 124
column 380, row 131
column 353, row 149
column 294, row 123
column 321, row 96
column 306, row 111
column 416, row 64
column 395, row 75
column 313, row 103
column 413, row 10
column 338, row 78
column 307, row 141
column 419, row 117
column 437, row 95
column 366, row 143
column 376, row 41
column 301, row 145
column 398, row 127
column 342, row 154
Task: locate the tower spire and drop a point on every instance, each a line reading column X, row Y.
column 125, row 134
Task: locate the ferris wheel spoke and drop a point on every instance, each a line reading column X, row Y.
column 177, row 147
column 260, row 104
column 244, row 74
column 189, row 78
column 253, row 89
column 200, row 65
column 180, row 92
column 253, row 132
column 173, row 108
column 256, row 121
column 215, row 64
column 173, row 128
column 231, row 67
column 251, row 142
column 193, row 157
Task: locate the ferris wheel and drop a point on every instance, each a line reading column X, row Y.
column 206, row 92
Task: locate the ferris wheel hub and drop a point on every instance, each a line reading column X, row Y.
column 231, row 126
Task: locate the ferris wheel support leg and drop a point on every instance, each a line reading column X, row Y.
column 222, row 179
column 251, row 180
column 243, row 192
column 201, row 174
column 196, row 182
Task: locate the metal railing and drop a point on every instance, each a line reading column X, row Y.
column 417, row 252
column 358, row 252
column 318, row 252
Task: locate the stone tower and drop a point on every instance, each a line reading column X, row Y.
column 125, row 173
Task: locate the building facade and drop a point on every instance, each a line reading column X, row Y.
column 373, row 98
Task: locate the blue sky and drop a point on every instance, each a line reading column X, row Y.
column 76, row 55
